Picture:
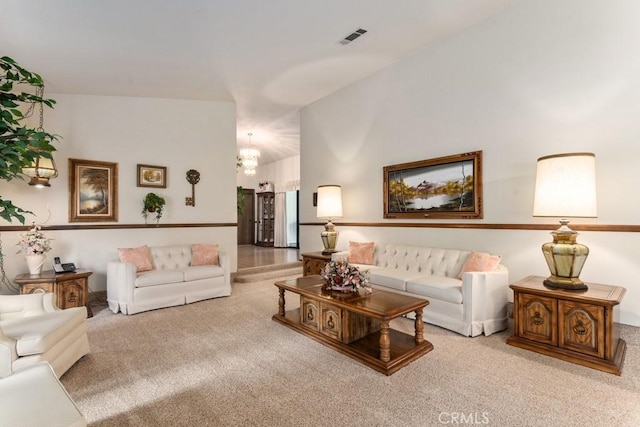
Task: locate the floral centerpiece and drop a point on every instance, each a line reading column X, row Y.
column 340, row 276
column 34, row 242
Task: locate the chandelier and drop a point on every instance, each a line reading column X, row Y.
column 249, row 157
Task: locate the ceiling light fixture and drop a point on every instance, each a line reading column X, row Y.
column 249, row 157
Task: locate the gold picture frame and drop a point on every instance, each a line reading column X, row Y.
column 439, row 188
column 93, row 191
column 152, row 176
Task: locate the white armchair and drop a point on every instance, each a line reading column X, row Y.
column 33, row 329
column 33, row 396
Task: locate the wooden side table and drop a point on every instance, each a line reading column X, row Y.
column 314, row 262
column 573, row 325
column 71, row 289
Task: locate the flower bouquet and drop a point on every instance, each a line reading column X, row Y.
column 340, row 276
column 34, row 242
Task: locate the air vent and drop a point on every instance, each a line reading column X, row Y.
column 351, row 37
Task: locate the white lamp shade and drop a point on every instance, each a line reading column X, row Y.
column 566, row 186
column 329, row 201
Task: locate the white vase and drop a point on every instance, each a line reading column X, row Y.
column 35, row 263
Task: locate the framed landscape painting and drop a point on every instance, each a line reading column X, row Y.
column 93, row 191
column 444, row 187
column 152, row 176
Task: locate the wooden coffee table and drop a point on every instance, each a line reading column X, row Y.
column 355, row 324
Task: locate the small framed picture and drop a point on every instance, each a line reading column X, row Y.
column 152, row 176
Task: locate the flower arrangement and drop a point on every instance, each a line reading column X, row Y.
column 340, row 276
column 34, row 242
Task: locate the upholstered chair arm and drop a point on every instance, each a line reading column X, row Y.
column 485, row 296
column 121, row 278
column 49, row 302
column 7, row 354
column 225, row 263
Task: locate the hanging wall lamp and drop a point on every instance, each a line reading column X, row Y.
column 43, row 168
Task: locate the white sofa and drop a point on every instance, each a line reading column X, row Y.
column 33, row 329
column 472, row 305
column 172, row 281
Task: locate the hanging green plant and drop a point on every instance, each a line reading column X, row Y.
column 21, row 145
column 153, row 203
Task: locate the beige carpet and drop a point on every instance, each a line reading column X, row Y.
column 224, row 362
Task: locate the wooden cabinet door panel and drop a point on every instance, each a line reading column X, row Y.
column 538, row 318
column 331, row 321
column 309, row 313
column 71, row 293
column 581, row 328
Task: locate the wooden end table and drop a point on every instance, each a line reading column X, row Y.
column 314, row 262
column 573, row 325
column 71, row 289
column 355, row 324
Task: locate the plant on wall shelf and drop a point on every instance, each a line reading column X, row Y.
column 239, row 190
column 153, row 203
column 20, row 145
column 240, row 199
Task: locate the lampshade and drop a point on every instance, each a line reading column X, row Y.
column 566, row 186
column 329, row 201
column 41, row 171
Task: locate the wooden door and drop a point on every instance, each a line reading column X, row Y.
column 246, row 221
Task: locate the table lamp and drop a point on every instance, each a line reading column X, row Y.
column 329, row 206
column 565, row 187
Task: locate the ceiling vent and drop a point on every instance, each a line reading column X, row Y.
column 351, row 37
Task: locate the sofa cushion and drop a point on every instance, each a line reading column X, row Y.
column 391, row 278
column 203, row 254
column 202, row 272
column 171, row 257
column 361, row 253
column 159, row 277
column 140, row 257
column 37, row 334
column 437, row 287
column 479, row 261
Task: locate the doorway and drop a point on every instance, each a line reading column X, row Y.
column 247, row 220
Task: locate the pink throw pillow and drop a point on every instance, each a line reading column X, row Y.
column 140, row 257
column 361, row 253
column 480, row 261
column 203, row 254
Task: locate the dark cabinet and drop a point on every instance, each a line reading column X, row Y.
column 266, row 219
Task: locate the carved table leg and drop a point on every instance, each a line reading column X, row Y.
column 385, row 342
column 419, row 327
column 281, row 302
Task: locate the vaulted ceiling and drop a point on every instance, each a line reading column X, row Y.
column 270, row 57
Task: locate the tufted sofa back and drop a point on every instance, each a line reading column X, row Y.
column 420, row 259
column 171, row 257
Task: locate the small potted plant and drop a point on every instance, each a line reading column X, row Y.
column 153, row 203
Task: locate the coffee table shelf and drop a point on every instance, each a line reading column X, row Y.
column 378, row 346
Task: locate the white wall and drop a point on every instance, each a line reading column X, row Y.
column 178, row 134
column 280, row 173
column 541, row 78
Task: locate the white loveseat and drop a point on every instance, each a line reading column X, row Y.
column 471, row 305
column 172, row 281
